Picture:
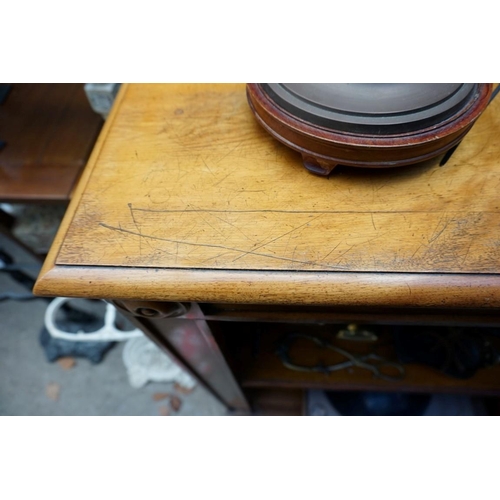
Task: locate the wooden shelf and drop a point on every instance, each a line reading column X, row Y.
column 253, row 350
column 276, row 402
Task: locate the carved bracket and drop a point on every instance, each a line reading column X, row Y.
column 153, row 309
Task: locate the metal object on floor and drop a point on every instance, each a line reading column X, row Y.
column 143, row 360
column 108, row 333
column 69, row 322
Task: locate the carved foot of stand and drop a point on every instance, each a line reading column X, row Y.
column 317, row 166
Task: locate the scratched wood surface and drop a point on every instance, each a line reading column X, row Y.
column 187, row 179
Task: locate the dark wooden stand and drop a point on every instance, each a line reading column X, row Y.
column 322, row 149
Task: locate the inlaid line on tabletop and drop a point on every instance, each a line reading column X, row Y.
column 224, row 211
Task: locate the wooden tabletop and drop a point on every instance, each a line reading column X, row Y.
column 187, row 198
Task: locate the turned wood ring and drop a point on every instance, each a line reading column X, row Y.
column 366, row 124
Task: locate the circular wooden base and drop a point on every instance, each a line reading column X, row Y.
column 322, row 149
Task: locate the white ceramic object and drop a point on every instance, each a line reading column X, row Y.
column 145, row 362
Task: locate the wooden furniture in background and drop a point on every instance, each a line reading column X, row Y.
column 49, row 131
column 191, row 219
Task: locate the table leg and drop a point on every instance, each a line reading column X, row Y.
column 191, row 344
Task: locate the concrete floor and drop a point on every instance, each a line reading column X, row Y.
column 30, row 385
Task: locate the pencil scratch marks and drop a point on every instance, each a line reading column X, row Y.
column 345, row 253
column 206, row 165
column 223, row 247
column 222, row 180
column 331, row 251
column 137, row 227
column 197, row 232
column 230, row 151
column 232, row 225
column 437, row 233
column 278, row 237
